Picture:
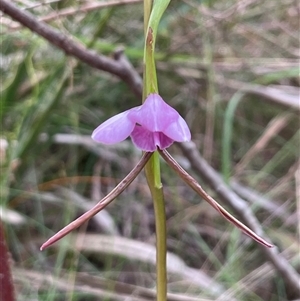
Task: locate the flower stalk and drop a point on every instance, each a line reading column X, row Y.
column 152, row 169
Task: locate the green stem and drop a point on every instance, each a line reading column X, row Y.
column 147, row 12
column 152, row 16
column 156, row 189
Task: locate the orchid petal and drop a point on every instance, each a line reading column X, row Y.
column 143, row 139
column 178, row 130
column 113, row 130
column 162, row 141
column 155, row 115
column 149, row 141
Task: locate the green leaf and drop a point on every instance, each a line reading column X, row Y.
column 158, row 9
column 227, row 134
column 10, row 95
column 37, row 115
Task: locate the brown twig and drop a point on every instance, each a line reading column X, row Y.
column 120, row 67
column 203, row 169
column 6, row 282
column 85, row 8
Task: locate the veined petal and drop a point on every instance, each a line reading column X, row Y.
column 149, row 141
column 155, row 115
column 143, row 139
column 178, row 130
column 162, row 141
column 113, row 130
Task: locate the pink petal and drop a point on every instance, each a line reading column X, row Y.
column 162, row 141
column 149, row 141
column 178, row 130
column 154, row 115
column 114, row 130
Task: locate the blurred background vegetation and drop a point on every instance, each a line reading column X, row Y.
column 231, row 68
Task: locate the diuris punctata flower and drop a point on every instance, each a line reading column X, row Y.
column 151, row 125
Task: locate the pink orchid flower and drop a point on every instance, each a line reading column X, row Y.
column 152, row 125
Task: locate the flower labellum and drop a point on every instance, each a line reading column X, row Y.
column 151, row 125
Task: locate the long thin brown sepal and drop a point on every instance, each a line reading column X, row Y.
column 196, row 187
column 101, row 204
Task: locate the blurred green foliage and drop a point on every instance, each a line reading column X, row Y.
column 208, row 54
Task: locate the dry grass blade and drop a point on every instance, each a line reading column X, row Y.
column 93, row 285
column 136, row 251
column 90, row 6
column 40, row 281
column 253, row 197
column 273, row 128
